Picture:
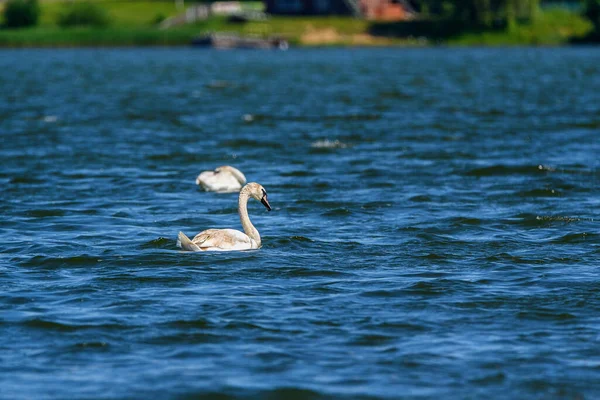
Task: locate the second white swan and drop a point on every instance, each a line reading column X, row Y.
column 224, row 179
column 230, row 239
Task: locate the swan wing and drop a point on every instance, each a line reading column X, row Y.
column 222, row 181
column 223, row 240
column 185, row 243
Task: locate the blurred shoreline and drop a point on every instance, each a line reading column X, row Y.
column 137, row 24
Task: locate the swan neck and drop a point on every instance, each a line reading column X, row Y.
column 238, row 176
column 249, row 229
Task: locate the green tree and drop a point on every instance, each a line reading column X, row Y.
column 511, row 7
column 21, row 13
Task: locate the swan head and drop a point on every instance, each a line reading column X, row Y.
column 258, row 192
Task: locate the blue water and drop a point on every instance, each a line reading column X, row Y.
column 435, row 231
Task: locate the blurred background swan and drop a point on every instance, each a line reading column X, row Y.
column 224, row 179
column 230, row 239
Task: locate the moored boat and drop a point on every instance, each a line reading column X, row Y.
column 235, row 41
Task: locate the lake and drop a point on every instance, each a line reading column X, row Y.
column 434, row 233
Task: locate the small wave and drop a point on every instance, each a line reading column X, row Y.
column 245, row 325
column 183, row 157
column 459, row 221
column 328, row 144
column 321, row 185
column 544, row 314
column 375, row 184
column 27, row 179
column 375, row 205
column 43, row 324
column 496, row 170
column 373, row 340
column 59, row 262
column 337, row 212
column 577, row 238
column 352, row 117
column 382, row 293
column 420, row 198
column 195, row 323
column 395, row 94
column 297, row 243
column 160, row 243
column 433, row 256
column 558, row 218
column 403, row 326
column 427, row 288
column 546, row 168
column 511, row 259
column 39, row 323
column 493, row 378
column 122, row 214
column 251, row 118
column 320, row 204
column 299, row 173
column 545, row 192
column 295, row 393
column 186, row 337
column 311, row 272
column 237, row 143
column 219, row 84
column 46, row 213
column 90, row 345
column 437, row 287
column 375, row 172
column 522, row 219
column 302, row 239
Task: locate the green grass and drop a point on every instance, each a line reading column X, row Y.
column 122, row 13
column 77, row 37
column 114, row 35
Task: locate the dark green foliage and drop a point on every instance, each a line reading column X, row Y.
column 158, row 19
column 592, row 12
column 436, row 28
column 21, row 13
column 83, row 14
column 483, row 13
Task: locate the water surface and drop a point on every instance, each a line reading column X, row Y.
column 434, row 233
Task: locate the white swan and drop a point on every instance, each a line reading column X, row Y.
column 230, row 239
column 225, row 179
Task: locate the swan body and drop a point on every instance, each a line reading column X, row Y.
column 230, row 239
column 224, row 179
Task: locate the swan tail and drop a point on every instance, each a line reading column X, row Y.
column 185, row 243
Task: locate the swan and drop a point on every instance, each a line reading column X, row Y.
column 224, row 179
column 230, row 239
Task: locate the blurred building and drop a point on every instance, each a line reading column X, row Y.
column 201, row 12
column 389, row 10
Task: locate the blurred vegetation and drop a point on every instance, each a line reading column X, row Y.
column 492, row 22
column 83, row 13
column 592, row 12
column 21, row 13
column 460, row 22
column 555, row 26
column 482, row 13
